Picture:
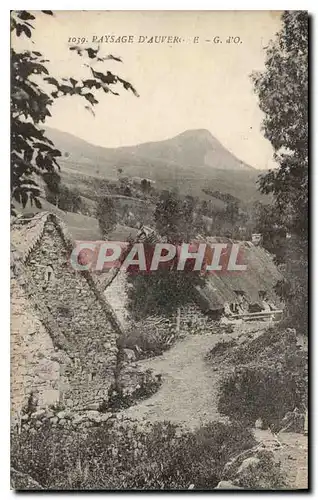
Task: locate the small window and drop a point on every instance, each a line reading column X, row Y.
column 91, row 376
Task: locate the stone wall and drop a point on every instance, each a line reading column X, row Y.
column 193, row 320
column 74, row 320
column 37, row 367
column 116, row 295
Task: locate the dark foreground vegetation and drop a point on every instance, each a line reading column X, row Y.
column 130, row 456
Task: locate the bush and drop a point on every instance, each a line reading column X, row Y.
column 270, row 381
column 221, row 348
column 264, row 473
column 120, row 397
column 128, row 456
column 148, row 339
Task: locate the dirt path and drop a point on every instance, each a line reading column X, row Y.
column 188, row 394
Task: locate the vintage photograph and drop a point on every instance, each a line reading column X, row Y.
column 159, row 250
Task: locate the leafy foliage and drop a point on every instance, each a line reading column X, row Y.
column 106, row 214
column 166, row 289
column 269, row 380
column 123, row 456
column 174, row 217
column 33, row 92
column 149, row 340
column 161, row 292
column 282, row 90
column 60, row 195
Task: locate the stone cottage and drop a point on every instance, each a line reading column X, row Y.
column 221, row 288
column 63, row 331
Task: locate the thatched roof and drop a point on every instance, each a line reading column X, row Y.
column 261, row 275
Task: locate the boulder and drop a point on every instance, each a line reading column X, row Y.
column 96, row 416
column 129, row 355
column 250, row 462
column 21, row 481
column 38, row 414
column 227, row 485
column 61, row 414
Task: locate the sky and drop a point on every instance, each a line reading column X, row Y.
column 195, row 84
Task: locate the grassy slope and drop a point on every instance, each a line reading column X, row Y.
column 190, row 161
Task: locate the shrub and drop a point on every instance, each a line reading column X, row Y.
column 128, row 456
column 120, row 398
column 264, row 473
column 148, row 339
column 270, row 381
column 221, row 348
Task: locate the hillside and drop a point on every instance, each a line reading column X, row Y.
column 190, row 161
column 80, row 226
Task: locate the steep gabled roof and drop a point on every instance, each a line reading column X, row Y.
column 26, row 234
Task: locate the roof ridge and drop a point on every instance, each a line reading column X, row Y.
column 21, row 257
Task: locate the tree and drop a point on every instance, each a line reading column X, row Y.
column 106, row 215
column 164, row 290
column 61, row 196
column 145, row 185
column 33, row 92
column 282, row 90
column 174, row 217
column 167, row 215
column 231, row 213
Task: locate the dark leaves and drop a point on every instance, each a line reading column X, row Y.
column 114, row 58
column 32, row 152
column 25, row 16
column 91, row 53
column 22, row 28
column 51, row 80
column 90, row 98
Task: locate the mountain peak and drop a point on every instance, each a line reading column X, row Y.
column 201, row 134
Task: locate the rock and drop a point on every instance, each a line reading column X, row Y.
column 78, row 419
column 93, row 406
column 54, row 420
column 259, row 424
column 39, row 414
column 21, row 481
column 97, row 418
column 227, row 485
column 61, row 414
column 129, row 355
column 247, row 463
column 93, row 414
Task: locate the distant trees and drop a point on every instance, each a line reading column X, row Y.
column 63, row 197
column 33, row 92
column 145, row 185
column 106, row 215
column 174, row 217
column 167, row 216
